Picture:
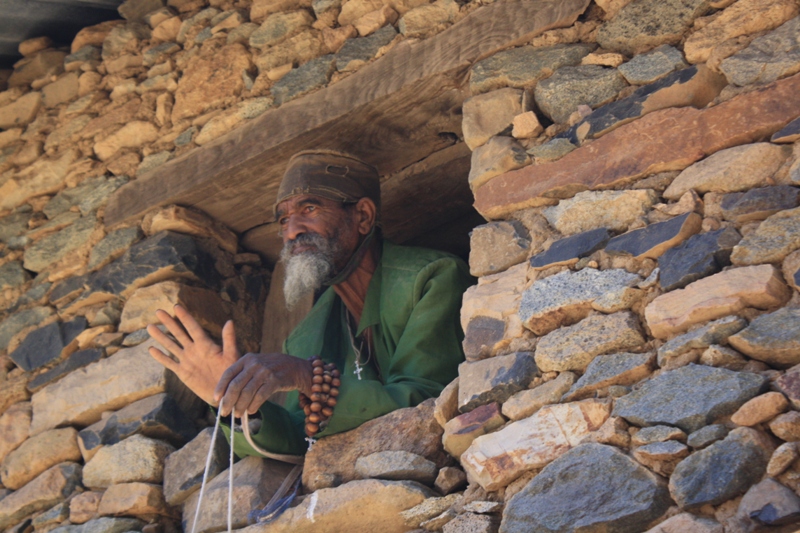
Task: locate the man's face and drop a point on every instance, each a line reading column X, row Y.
column 319, row 236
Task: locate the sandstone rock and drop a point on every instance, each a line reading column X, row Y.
column 653, row 434
column 396, row 465
column 157, row 417
column 493, row 380
column 87, row 55
column 137, row 10
column 645, row 24
column 687, row 522
column 450, row 479
column 525, row 403
column 135, row 499
column 45, row 176
column 136, row 458
column 786, row 426
column 83, row 506
column 661, row 457
column 560, row 95
column 210, row 81
column 183, row 469
column 93, row 35
column 412, row 429
column 768, row 58
column 496, row 459
column 46, row 344
column 731, row 170
column 607, row 370
column 488, row 115
column 649, row 67
column 690, row 397
column 356, row 52
column 497, row 245
column 278, row 27
column 669, row 139
column 14, row 426
column 760, row 409
column 499, row 155
column 304, row 79
column 60, row 91
column 615, row 210
column 526, row 126
column 707, row 435
column 567, row 297
column 524, row 66
column 773, row 338
column 368, row 505
column 37, row 68
column 699, row 256
column 132, row 135
column 21, row 112
column 567, row 251
column 496, row 296
column 52, row 517
column 592, row 487
column 13, row 390
column 716, row 296
column 124, row 38
column 552, row 150
column 37, row 454
column 652, row 241
column 783, row 456
column 716, row 332
column 722, row 471
column 722, row 357
column 49, row 488
column 79, row 398
column 428, row 509
column 31, row 46
column 574, row 347
column 772, row 241
column 74, row 361
column 302, row 48
column 113, row 246
column 426, row 19
column 462, row 430
column 446, row 405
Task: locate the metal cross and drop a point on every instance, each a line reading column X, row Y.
column 358, row 370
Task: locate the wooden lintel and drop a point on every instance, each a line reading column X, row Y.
column 392, row 113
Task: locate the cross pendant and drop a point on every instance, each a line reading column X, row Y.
column 310, row 442
column 358, row 370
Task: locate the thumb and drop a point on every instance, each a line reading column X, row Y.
column 229, row 349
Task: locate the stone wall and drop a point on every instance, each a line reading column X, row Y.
column 631, row 342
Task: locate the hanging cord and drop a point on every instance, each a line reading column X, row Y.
column 208, row 468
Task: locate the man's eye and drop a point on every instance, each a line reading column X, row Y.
column 311, row 208
column 283, row 221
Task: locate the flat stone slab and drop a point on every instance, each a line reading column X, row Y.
column 568, row 297
column 522, row 67
column 789, row 134
column 560, row 95
column 669, row 139
column 496, row 459
column 760, row 203
column 650, row 66
column 50, row 249
column 183, row 468
column 20, row 320
column 481, row 336
column 494, row 380
column 460, row 431
column 575, row 347
column 134, row 459
column 690, row 397
column 767, row 58
column 45, row 344
column 614, row 369
column 497, row 245
column 772, row 241
column 614, row 210
column 567, row 251
column 487, row 115
column 13, row 275
column 304, row 79
column 363, row 49
column 697, row 257
column 707, row 435
column 37, row 454
column 716, row 332
column 105, row 524
column 652, row 241
column 773, row 338
column 714, row 297
column 75, row 361
column 397, row 465
column 592, row 487
column 722, row 471
column 48, row 489
column 525, row 403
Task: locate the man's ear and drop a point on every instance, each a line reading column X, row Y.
column 366, row 215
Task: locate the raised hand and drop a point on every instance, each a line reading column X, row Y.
column 198, row 361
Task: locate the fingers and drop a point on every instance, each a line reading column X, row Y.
column 164, row 359
column 262, row 395
column 172, row 326
column 246, row 397
column 229, row 349
column 229, row 374
column 230, row 400
column 165, row 341
column 192, row 326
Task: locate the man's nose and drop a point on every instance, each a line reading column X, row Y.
column 293, row 228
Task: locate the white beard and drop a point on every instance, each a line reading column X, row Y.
column 308, row 271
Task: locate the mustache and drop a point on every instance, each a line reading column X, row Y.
column 306, row 239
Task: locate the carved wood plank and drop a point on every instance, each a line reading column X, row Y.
column 393, row 112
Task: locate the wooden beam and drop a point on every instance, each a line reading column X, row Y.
column 393, row 112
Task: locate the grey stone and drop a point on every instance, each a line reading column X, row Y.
column 44, row 345
column 592, row 487
column 135, row 338
column 493, row 380
column 560, row 95
column 497, row 245
column 86, row 54
column 313, row 75
column 758, row 204
column 789, row 134
column 204, row 35
column 524, row 66
column 661, row 457
column 645, row 24
column 689, row 397
column 773, row 338
column 767, row 58
column 124, row 37
column 136, row 458
column 568, row 297
column 135, row 10
column 500, row 154
column 450, row 479
column 157, row 417
column 429, row 508
column 278, row 27
column 183, row 469
column 769, row 503
column 653, row 240
column 321, row 6
column 614, row 210
column 52, row 248
column 789, row 385
column 700, row 256
column 706, row 436
column 722, row 471
column 75, row 361
column 649, row 67
column 552, row 150
column 482, row 334
column 54, row 515
column 607, row 370
column 67, row 290
column 472, row 523
column 715, row 332
column 13, row 275
column 113, row 246
column 525, row 403
column 396, row 465
column 655, row 434
column 154, row 160
column 574, row 347
column 774, row 239
column 201, row 18
column 570, row 249
column 13, row 225
column 88, row 196
column 363, row 49
column 185, row 137
column 49, row 488
column 15, row 323
column 105, row 524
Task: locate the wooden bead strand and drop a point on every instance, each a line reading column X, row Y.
column 318, row 407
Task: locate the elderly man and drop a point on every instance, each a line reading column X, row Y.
column 386, row 329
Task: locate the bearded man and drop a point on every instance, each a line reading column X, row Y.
column 388, row 321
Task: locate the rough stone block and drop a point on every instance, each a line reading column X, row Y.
column 499, row 155
column 523, row 404
column 183, row 469
column 363, row 49
column 788, row 134
column 463, row 429
column 614, row 210
column 560, row 95
column 396, row 465
column 493, row 380
column 37, row 454
column 567, row 251
column 773, row 338
column 652, row 241
column 496, row 246
column 607, row 370
column 760, row 409
column 134, row 499
column 48, row 489
column 649, row 67
column 136, row 458
column 758, row 204
column 697, row 257
column 312, row 75
column 769, row 503
column 661, row 457
column 73, row 362
column 716, row 332
column 489, row 114
column 767, row 58
column 772, row 241
column 15, row 424
column 45, row 345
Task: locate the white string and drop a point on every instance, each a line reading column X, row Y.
column 230, row 476
column 208, row 468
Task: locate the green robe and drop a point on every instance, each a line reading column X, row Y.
column 412, row 305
